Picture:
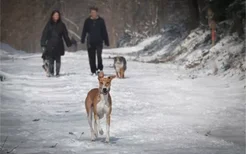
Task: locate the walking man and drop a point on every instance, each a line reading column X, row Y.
column 96, row 33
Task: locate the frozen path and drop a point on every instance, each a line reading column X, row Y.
column 155, row 110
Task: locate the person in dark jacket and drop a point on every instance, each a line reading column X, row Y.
column 52, row 42
column 96, row 33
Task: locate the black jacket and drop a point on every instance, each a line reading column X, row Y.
column 96, row 31
column 52, row 36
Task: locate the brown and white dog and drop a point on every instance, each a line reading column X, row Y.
column 99, row 103
column 120, row 66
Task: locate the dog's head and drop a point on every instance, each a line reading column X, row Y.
column 118, row 60
column 105, row 83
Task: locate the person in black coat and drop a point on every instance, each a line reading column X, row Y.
column 52, row 42
column 96, row 32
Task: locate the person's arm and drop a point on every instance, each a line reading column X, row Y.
column 105, row 33
column 44, row 37
column 65, row 36
column 83, row 35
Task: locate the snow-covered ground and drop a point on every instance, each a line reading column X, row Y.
column 157, row 109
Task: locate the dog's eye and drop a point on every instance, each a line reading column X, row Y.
column 101, row 82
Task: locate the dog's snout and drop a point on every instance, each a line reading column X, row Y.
column 104, row 89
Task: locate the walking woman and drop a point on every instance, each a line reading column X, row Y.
column 52, row 43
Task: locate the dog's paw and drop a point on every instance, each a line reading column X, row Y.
column 101, row 132
column 93, row 138
column 96, row 134
column 107, row 140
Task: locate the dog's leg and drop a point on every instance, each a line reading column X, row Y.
column 120, row 73
column 96, row 118
column 107, row 127
column 99, row 127
column 123, row 74
column 117, row 75
column 89, row 116
column 46, row 67
column 89, row 111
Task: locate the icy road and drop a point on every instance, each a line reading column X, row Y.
column 157, row 109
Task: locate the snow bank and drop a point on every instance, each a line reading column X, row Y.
column 193, row 52
column 226, row 57
column 8, row 52
column 8, row 49
column 130, row 50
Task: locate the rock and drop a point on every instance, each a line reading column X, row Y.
column 227, row 66
column 2, row 78
column 35, row 120
column 205, row 52
column 53, row 146
column 242, row 77
column 208, row 133
column 71, row 133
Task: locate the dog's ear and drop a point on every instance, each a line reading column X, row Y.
column 112, row 77
column 100, row 75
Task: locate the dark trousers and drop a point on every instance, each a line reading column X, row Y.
column 52, row 62
column 93, row 51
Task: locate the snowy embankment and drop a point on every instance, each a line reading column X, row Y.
column 156, row 109
column 129, row 50
column 192, row 52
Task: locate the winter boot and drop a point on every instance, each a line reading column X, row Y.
column 51, row 69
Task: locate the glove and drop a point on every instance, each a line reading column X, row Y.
column 82, row 41
column 44, row 52
column 73, row 41
column 43, row 49
column 69, row 45
column 107, row 44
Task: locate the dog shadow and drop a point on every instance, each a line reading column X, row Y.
column 117, row 77
column 124, row 78
column 67, row 74
column 112, row 140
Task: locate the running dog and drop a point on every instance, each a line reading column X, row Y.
column 98, row 102
column 120, row 66
column 46, row 66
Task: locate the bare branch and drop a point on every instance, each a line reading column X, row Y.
column 15, row 147
column 53, row 146
column 81, row 135
column 4, row 142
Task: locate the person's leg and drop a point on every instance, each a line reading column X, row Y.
column 99, row 58
column 92, row 58
column 58, row 65
column 51, row 65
